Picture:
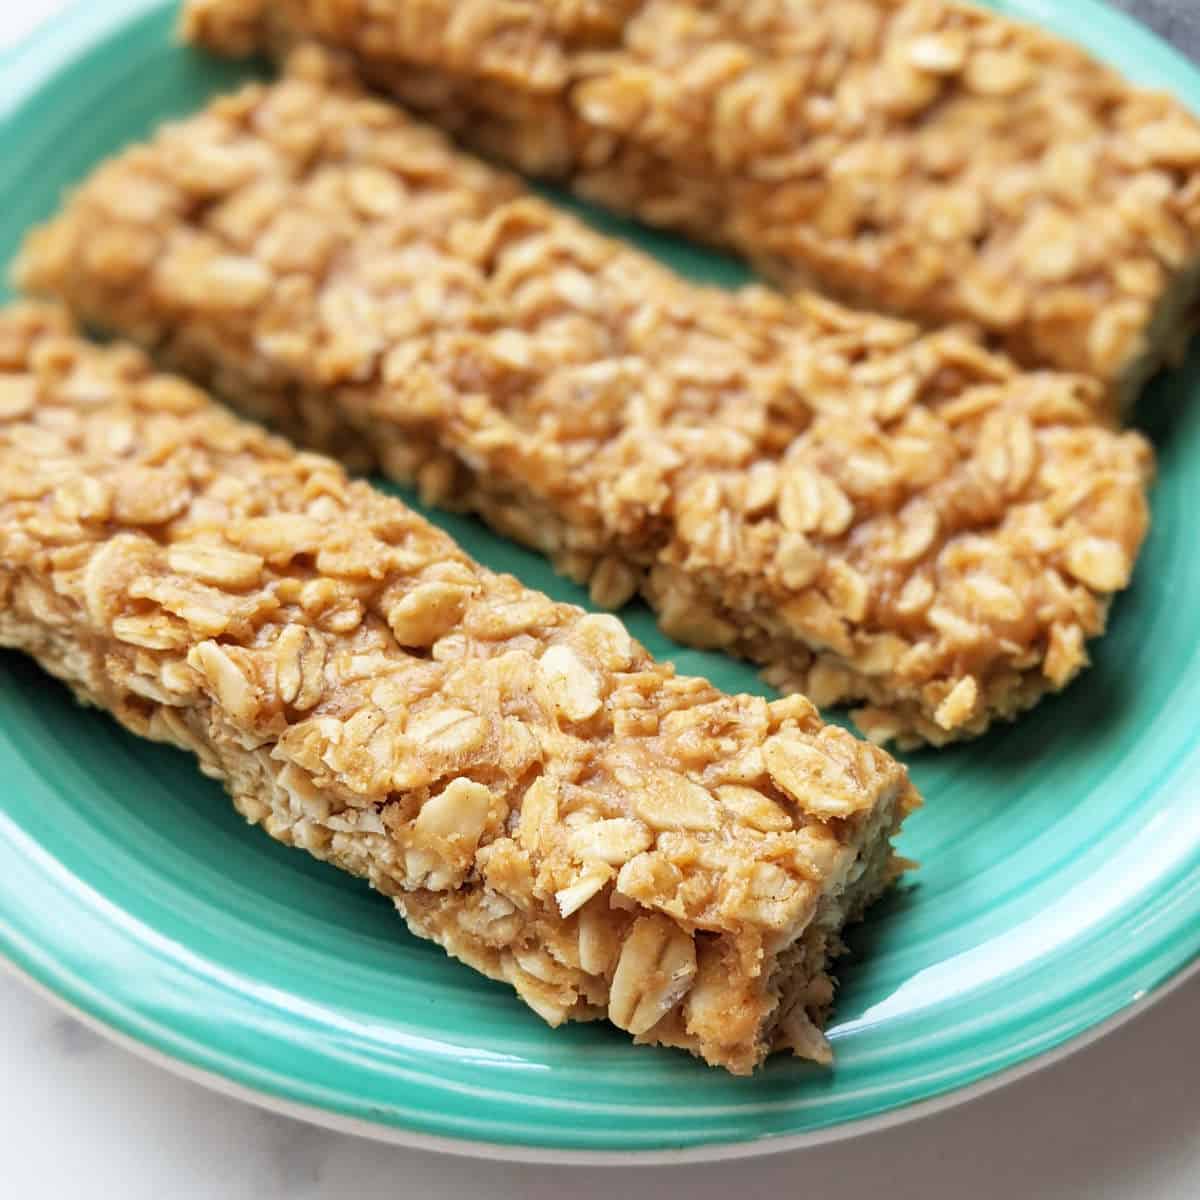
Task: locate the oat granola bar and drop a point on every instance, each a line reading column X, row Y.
column 878, row 516
column 919, row 156
column 535, row 793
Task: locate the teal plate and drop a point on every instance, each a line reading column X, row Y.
column 1061, row 878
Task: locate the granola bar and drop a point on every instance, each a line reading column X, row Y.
column 534, row 792
column 919, row 156
column 877, row 516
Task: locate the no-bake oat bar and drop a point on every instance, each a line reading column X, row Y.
column 877, row 516
column 920, row 156
column 533, row 791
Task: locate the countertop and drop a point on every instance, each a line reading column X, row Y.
column 83, row 1118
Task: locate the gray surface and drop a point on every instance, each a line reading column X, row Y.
column 1177, row 20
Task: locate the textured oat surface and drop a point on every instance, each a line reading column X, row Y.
column 920, row 156
column 877, row 516
column 536, row 794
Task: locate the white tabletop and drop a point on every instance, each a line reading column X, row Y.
column 82, row 1118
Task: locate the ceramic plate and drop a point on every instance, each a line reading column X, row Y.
column 1061, row 878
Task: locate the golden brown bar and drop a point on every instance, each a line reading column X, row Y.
column 535, row 793
column 877, row 516
column 916, row 156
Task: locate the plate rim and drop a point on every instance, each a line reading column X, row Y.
column 473, row 1148
column 32, row 64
